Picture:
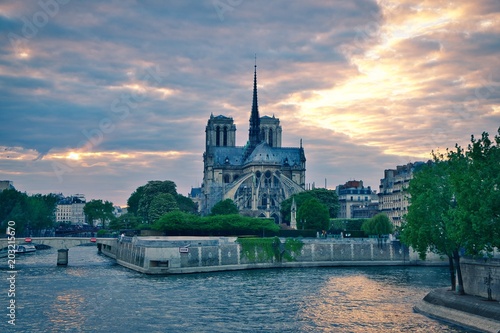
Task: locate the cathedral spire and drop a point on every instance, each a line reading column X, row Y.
column 254, row 131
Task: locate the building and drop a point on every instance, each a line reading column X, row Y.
column 393, row 195
column 257, row 176
column 70, row 209
column 6, row 185
column 196, row 195
column 356, row 201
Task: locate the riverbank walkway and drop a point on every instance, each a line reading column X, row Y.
column 465, row 310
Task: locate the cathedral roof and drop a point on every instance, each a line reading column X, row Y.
column 228, row 155
column 264, row 153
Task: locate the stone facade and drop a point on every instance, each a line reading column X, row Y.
column 393, row 194
column 70, row 209
column 177, row 255
column 479, row 275
column 356, row 201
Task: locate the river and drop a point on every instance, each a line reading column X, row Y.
column 94, row 294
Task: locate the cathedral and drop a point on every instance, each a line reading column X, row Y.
column 257, row 176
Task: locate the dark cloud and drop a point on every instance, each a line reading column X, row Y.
column 366, row 84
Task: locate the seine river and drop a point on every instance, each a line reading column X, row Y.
column 93, row 294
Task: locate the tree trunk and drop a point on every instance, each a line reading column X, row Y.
column 452, row 273
column 460, row 285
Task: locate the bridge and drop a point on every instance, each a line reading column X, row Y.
column 62, row 244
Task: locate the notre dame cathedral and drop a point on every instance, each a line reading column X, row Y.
column 257, row 176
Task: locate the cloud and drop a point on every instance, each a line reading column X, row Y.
column 367, row 85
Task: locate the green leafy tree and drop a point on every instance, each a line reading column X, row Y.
column 476, row 180
column 40, row 212
column 339, row 224
column 133, row 200
column 31, row 213
column 186, row 204
column 97, row 210
column 429, row 223
column 13, row 207
column 160, row 205
column 378, row 225
column 312, row 214
column 328, row 198
column 225, row 207
column 178, row 223
column 140, row 201
column 125, row 221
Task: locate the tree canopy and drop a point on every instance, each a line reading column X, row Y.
column 328, row 198
column 150, row 201
column 161, row 204
column 180, row 223
column 454, row 203
column 98, row 211
column 429, row 222
column 312, row 214
column 378, row 225
column 31, row 213
column 475, row 177
column 225, row 207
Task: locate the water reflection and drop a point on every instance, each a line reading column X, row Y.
column 67, row 312
column 360, row 303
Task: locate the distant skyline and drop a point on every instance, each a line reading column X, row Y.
column 101, row 97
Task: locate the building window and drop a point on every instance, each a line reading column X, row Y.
column 217, row 136
column 225, row 136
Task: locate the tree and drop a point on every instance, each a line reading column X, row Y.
column 328, row 198
column 312, row 214
column 133, row 200
column 476, row 180
column 149, row 192
column 225, row 207
column 140, row 200
column 378, row 225
column 429, row 223
column 186, row 204
column 454, row 204
column 177, row 223
column 13, row 207
column 40, row 213
column 160, row 205
column 125, row 221
column 97, row 210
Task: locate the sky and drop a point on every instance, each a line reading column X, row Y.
column 99, row 97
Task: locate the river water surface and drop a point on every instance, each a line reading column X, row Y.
column 94, row 294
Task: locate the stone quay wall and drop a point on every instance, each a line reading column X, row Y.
column 481, row 274
column 177, row 255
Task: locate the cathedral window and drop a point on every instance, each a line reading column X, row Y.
column 225, row 136
column 217, row 136
column 270, row 137
column 227, row 178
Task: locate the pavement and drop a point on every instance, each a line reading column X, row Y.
column 470, row 311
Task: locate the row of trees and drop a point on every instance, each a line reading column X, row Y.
column 455, row 204
column 32, row 213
